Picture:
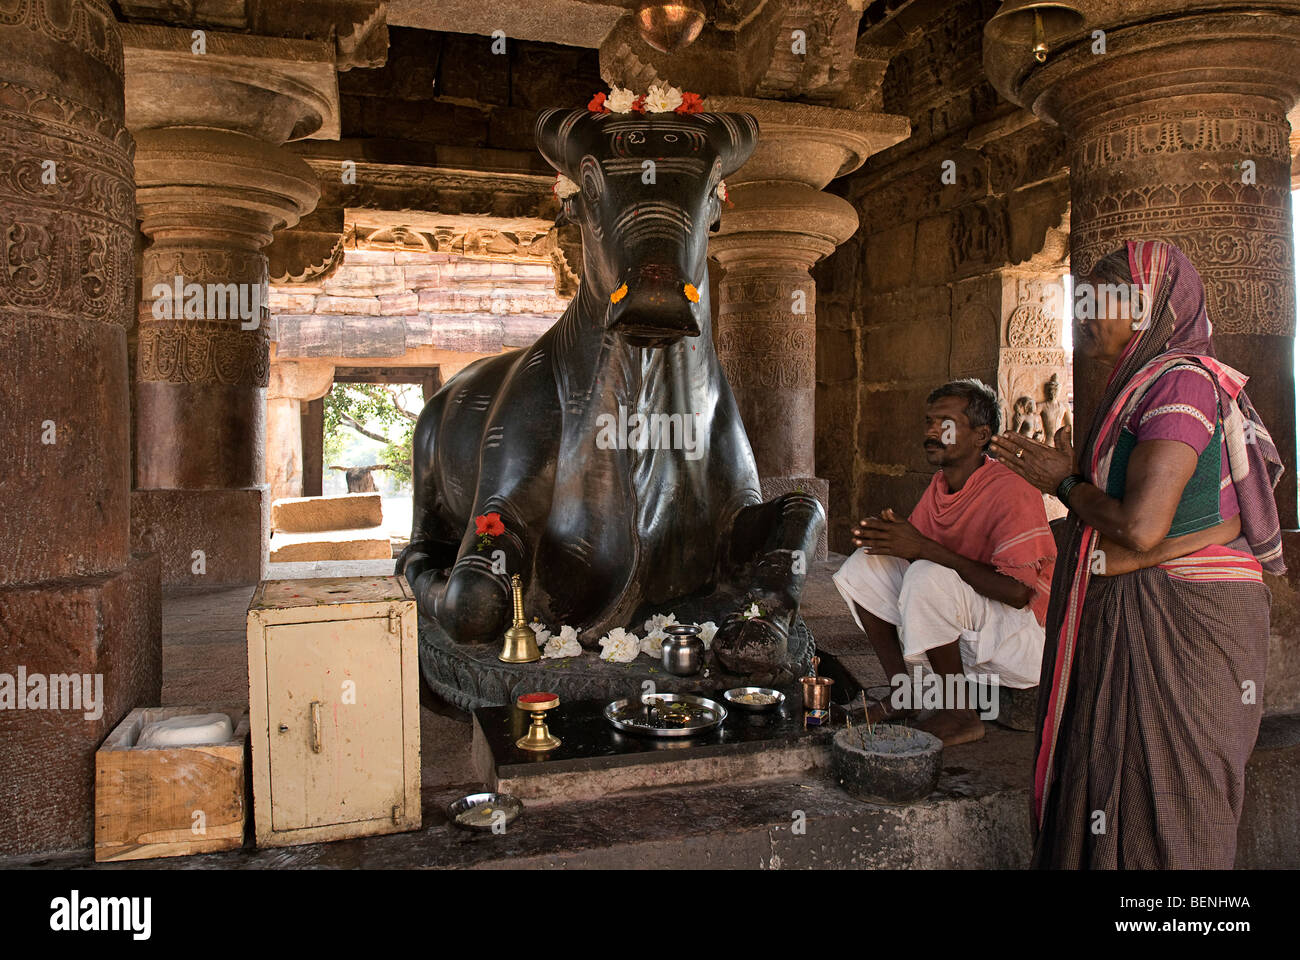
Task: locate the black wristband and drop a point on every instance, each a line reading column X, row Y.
column 1065, row 486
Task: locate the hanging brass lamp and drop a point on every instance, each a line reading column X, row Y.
column 670, row 25
column 1037, row 25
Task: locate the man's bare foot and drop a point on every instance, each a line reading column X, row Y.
column 879, row 711
column 954, row 726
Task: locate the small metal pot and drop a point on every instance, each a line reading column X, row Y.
column 816, row 692
column 683, row 650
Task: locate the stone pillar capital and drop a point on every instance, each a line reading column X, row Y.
column 804, row 143
column 1177, row 54
column 227, row 186
column 270, row 88
column 786, row 224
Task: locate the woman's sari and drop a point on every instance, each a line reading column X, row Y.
column 1149, row 700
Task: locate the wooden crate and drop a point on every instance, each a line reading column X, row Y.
column 169, row 801
column 334, row 706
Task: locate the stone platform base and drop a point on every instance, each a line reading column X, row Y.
column 470, row 677
column 595, row 760
column 85, row 635
column 229, row 527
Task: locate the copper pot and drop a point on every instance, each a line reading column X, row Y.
column 816, row 692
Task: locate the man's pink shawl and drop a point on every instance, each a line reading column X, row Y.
column 995, row 518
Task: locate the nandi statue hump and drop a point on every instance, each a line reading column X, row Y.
column 605, row 524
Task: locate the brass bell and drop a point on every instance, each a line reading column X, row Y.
column 1035, row 24
column 520, row 641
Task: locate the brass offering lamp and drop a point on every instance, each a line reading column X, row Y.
column 538, row 737
column 520, row 641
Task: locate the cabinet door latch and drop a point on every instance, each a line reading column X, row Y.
column 315, row 726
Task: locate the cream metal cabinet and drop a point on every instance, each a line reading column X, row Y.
column 333, row 692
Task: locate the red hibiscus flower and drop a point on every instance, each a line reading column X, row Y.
column 489, row 524
column 597, row 104
column 691, row 103
column 639, row 104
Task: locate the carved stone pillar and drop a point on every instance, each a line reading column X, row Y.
column 776, row 224
column 293, row 384
column 1179, row 132
column 213, row 184
column 79, row 615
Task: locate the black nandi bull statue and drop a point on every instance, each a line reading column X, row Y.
column 603, row 534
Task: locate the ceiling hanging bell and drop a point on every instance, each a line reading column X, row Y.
column 670, row 25
column 1028, row 23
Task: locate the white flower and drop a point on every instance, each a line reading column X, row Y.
column 662, row 99
column 540, row 632
column 752, row 612
column 620, row 100
column 721, row 188
column 564, row 187
column 660, row 620
column 652, row 645
column 620, row 646
column 564, row 645
column 707, row 629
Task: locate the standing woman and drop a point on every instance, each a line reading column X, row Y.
column 1157, row 633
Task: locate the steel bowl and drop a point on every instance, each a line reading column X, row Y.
column 503, row 802
column 731, row 695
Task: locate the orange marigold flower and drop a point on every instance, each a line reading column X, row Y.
column 692, row 294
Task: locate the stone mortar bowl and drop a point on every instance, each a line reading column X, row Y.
column 893, row 764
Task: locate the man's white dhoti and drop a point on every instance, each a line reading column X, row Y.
column 932, row 606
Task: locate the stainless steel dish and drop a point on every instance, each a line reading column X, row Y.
column 732, row 695
column 481, row 811
column 690, row 717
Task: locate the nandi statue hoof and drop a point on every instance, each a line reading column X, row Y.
column 607, row 464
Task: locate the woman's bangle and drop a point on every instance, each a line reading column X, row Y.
column 1069, row 483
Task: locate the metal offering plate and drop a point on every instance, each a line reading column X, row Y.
column 666, row 715
column 754, row 699
column 480, row 811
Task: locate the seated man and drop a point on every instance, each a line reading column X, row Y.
column 962, row 585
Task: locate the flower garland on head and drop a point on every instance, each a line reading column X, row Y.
column 660, row 98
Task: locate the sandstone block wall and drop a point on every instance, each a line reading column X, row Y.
column 385, row 302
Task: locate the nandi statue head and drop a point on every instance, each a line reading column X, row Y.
column 647, row 186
